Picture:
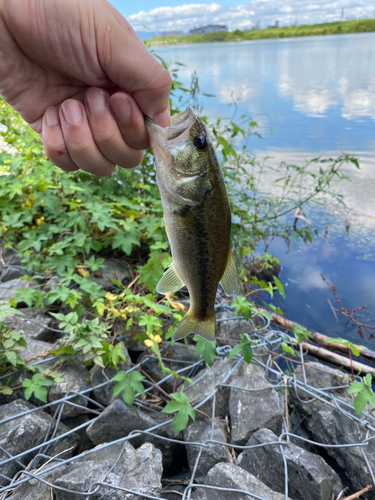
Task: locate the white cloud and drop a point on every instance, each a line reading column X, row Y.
column 187, row 16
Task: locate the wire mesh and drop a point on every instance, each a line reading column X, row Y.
column 266, row 352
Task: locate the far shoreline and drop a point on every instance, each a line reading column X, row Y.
column 335, row 28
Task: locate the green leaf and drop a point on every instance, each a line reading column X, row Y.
column 183, row 409
column 286, row 347
column 360, row 402
column 127, row 384
column 207, row 348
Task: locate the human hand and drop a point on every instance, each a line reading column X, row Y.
column 79, row 75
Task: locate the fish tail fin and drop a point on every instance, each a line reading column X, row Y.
column 190, row 324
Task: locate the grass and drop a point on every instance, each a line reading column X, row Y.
column 339, row 27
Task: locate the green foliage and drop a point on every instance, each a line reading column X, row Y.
column 352, row 347
column 129, row 385
column 12, row 342
column 338, row 27
column 37, row 386
column 244, row 348
column 364, row 393
column 301, row 333
column 86, row 339
column 205, row 347
column 183, row 409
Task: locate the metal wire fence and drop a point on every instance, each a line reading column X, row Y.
column 266, row 352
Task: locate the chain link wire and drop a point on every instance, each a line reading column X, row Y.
column 269, row 341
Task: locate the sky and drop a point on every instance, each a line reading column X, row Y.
column 167, row 15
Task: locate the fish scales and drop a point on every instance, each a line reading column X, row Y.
column 197, row 216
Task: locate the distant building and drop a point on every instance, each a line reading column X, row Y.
column 208, row 29
column 171, row 33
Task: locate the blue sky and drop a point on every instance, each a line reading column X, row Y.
column 182, row 15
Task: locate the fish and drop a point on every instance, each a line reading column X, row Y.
column 197, row 219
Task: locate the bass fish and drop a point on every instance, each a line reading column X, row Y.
column 197, row 219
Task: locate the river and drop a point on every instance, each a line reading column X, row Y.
column 312, row 96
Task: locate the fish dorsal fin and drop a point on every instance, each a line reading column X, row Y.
column 229, row 281
column 170, row 281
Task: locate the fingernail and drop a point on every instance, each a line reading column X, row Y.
column 163, row 119
column 52, row 117
column 96, row 100
column 72, row 111
column 121, row 107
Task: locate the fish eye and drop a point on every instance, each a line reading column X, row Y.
column 200, row 141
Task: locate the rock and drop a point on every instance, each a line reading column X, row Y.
column 118, row 420
column 75, row 379
column 8, row 289
column 10, row 272
column 174, row 487
column 104, row 394
column 309, row 476
column 8, row 257
column 35, row 348
column 232, row 476
column 138, row 470
column 112, row 269
column 251, row 411
column 32, row 324
column 205, row 383
column 27, row 431
column 35, row 489
column 331, row 426
column 73, row 423
column 210, row 456
column 228, row 328
column 318, row 376
column 52, row 284
column 174, row 357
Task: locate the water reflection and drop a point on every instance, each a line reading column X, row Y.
column 318, row 96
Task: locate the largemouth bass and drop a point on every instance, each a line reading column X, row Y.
column 197, row 219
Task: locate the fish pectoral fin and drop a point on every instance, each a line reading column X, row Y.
column 190, row 324
column 170, row 281
column 229, row 281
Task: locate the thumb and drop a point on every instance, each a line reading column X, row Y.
column 128, row 63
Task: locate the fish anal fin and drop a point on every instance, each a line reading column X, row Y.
column 189, row 324
column 170, row 281
column 229, row 281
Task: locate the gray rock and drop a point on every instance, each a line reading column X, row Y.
column 228, row 329
column 251, row 411
column 205, row 383
column 118, row 420
column 232, row 476
column 210, row 456
column 331, row 426
column 73, row 423
column 10, row 272
column 8, row 289
column 52, row 284
column 35, row 489
column 309, row 476
column 75, row 379
column 175, row 358
column 98, row 375
column 112, row 269
column 8, row 257
column 27, row 431
column 32, row 324
column 318, row 376
column 137, row 470
column 36, row 349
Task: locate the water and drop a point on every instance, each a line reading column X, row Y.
column 311, row 97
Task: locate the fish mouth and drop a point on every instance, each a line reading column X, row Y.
column 165, row 137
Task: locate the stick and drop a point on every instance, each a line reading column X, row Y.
column 335, row 359
column 359, row 493
column 319, row 338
